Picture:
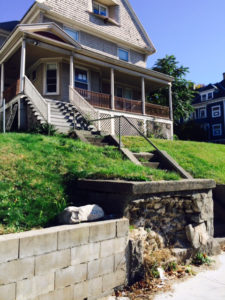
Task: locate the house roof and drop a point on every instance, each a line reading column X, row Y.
column 219, row 91
column 8, row 26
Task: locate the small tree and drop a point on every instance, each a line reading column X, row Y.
column 182, row 89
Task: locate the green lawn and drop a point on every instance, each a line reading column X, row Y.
column 34, row 170
column 202, row 160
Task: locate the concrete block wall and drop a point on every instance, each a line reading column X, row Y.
column 85, row 261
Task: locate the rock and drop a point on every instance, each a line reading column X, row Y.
column 136, row 261
column 74, row 215
column 201, row 241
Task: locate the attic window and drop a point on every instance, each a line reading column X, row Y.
column 100, row 9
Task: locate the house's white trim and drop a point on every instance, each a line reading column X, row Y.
column 219, row 111
column 45, row 79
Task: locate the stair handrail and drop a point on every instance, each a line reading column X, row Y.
column 132, row 125
column 82, row 105
column 162, row 154
column 39, row 102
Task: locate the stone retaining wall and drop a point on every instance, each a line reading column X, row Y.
column 180, row 211
column 78, row 262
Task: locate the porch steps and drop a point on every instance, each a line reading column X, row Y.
column 65, row 117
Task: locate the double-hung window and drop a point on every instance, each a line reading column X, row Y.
column 123, row 54
column 100, row 9
column 81, row 79
column 73, row 33
column 217, row 130
column 202, row 113
column 216, row 111
column 51, row 86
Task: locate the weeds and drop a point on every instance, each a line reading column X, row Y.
column 201, row 259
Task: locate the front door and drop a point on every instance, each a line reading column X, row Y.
column 81, row 79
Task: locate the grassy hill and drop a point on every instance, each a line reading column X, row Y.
column 202, row 160
column 34, row 170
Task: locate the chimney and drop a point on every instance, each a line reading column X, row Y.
column 223, row 76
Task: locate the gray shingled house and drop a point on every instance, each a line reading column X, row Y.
column 84, row 56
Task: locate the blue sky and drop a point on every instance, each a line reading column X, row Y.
column 192, row 30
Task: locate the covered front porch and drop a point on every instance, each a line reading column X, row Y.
column 107, row 85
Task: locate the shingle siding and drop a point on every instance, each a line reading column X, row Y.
column 128, row 30
column 101, row 46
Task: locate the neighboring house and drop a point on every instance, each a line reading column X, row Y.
column 90, row 54
column 209, row 112
column 5, row 29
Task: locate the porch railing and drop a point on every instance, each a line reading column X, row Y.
column 77, row 98
column 40, row 103
column 12, row 91
column 95, row 98
column 101, row 100
column 128, row 105
column 157, row 110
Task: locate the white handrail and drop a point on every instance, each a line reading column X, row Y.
column 85, row 108
column 40, row 103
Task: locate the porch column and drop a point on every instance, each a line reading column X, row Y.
column 22, row 65
column 143, row 94
column 71, row 71
column 112, row 89
column 171, row 101
column 2, row 83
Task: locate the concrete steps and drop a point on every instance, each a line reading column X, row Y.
column 148, row 159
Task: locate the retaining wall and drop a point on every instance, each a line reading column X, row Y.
column 168, row 208
column 76, row 262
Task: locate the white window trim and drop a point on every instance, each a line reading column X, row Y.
column 216, row 106
column 45, row 79
column 124, row 49
column 72, row 29
column 206, row 93
column 205, row 97
column 213, row 128
column 205, row 112
column 88, row 76
column 102, row 5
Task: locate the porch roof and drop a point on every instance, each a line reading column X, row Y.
column 63, row 41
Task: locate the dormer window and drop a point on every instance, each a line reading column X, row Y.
column 100, row 9
column 210, row 95
column 204, row 97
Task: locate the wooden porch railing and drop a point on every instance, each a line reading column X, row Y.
column 12, row 91
column 94, row 98
column 128, row 105
column 157, row 110
column 122, row 104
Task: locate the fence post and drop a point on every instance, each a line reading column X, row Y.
column 120, row 133
column 49, row 113
column 3, row 115
column 99, row 121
